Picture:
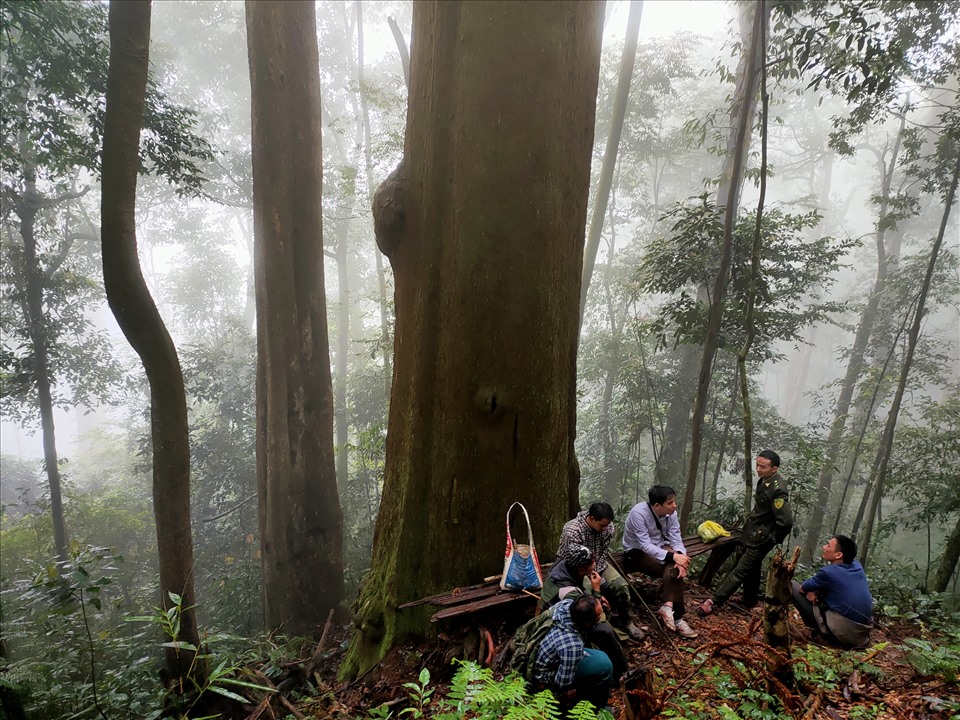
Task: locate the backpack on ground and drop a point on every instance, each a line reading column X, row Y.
column 527, row 641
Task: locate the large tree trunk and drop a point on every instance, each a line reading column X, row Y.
column 948, row 562
column 610, row 153
column 301, row 524
column 886, row 441
column 483, row 224
column 743, row 110
column 141, row 323
column 855, row 365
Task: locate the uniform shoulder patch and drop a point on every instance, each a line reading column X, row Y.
column 778, row 503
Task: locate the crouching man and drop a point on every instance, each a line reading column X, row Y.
column 564, row 664
column 577, row 577
column 836, row 602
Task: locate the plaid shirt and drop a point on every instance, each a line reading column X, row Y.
column 560, row 651
column 577, row 532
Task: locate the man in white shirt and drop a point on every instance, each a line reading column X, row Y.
column 652, row 545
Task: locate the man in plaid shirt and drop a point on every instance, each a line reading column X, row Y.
column 564, row 664
column 593, row 528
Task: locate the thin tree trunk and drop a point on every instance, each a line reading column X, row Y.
column 886, row 442
column 627, row 62
column 948, row 561
column 301, row 523
column 368, row 172
column 143, row 327
column 855, row 367
column 752, row 299
column 401, row 49
column 343, row 348
column 36, row 322
column 734, row 387
column 743, row 110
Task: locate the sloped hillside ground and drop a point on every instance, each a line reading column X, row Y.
column 727, row 672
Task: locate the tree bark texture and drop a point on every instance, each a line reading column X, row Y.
column 301, row 523
column 886, row 441
column 948, row 562
column 483, row 224
column 141, row 323
column 743, row 110
column 777, row 602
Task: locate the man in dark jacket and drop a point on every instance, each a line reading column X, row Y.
column 769, row 524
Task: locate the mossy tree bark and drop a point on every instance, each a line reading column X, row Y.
column 138, row 318
column 483, row 224
column 301, row 523
column 777, row 602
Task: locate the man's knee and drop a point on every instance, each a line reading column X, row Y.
column 595, row 668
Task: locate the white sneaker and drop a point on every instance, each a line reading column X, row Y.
column 684, row 630
column 666, row 614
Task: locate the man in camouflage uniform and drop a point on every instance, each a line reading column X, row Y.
column 769, row 524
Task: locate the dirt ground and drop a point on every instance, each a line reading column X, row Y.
column 731, row 638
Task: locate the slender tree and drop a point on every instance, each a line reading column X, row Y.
column 301, row 524
column 886, row 441
column 143, row 327
column 743, row 110
column 483, row 224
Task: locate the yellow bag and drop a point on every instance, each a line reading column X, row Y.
column 710, row 531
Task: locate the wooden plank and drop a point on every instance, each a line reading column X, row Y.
column 501, row 599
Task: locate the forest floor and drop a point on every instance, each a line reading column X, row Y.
column 729, row 665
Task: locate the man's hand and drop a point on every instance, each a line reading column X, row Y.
column 812, row 596
column 605, row 603
column 682, row 561
column 595, row 581
column 681, row 571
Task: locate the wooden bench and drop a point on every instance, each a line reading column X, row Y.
column 466, row 600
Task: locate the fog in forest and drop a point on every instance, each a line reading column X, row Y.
column 847, row 157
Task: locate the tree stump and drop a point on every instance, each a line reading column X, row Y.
column 639, row 697
column 777, row 606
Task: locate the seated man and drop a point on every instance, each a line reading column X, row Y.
column 652, row 545
column 836, row 602
column 564, row 665
column 568, row 580
column 593, row 528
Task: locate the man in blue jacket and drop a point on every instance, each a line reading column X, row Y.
column 836, row 602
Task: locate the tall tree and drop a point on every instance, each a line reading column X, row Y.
column 728, row 197
column 879, row 473
column 483, row 224
column 301, row 523
column 143, row 327
column 613, row 145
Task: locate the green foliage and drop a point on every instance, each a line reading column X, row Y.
column 795, row 274
column 475, row 693
column 826, row 668
column 929, row 657
column 221, row 680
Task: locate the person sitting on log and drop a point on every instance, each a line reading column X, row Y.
column 652, row 545
column 836, row 603
column 564, row 664
column 593, row 528
column 569, row 579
